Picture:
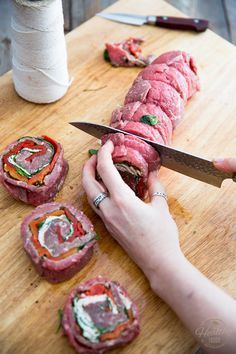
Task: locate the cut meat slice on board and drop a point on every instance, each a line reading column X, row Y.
column 59, row 239
column 98, row 316
column 127, row 53
column 33, row 169
column 134, row 159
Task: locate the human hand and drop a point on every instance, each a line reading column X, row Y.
column 147, row 232
column 225, row 164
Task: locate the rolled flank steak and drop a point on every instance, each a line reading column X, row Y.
column 98, row 316
column 134, row 159
column 137, row 112
column 153, row 107
column 167, row 74
column 185, row 64
column 59, row 239
column 160, row 94
column 33, row 169
column 141, row 129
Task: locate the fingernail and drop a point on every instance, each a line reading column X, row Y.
column 109, row 142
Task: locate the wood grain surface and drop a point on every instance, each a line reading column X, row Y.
column 205, row 215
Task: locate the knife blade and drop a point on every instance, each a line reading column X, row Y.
column 177, row 160
column 194, row 24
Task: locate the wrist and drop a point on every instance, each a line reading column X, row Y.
column 161, row 273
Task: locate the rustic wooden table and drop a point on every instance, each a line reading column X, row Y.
column 205, row 215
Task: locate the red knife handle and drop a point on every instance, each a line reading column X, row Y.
column 194, row 24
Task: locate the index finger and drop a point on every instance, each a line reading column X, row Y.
column 225, row 164
column 107, row 171
column 91, row 186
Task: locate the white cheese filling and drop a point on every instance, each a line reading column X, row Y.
column 12, row 160
column 123, row 167
column 83, row 318
column 125, row 300
column 46, row 225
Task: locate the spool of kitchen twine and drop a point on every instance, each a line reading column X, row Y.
column 39, row 60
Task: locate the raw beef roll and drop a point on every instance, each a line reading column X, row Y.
column 98, row 316
column 33, row 169
column 185, row 64
column 140, row 129
column 153, row 107
column 157, row 121
column 160, row 94
column 134, row 159
column 168, row 75
column 59, row 240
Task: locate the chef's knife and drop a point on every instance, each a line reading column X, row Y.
column 182, row 23
column 176, row 160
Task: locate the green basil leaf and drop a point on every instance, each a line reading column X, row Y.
column 82, row 246
column 96, row 237
column 60, row 316
column 92, row 152
column 149, row 119
column 22, row 173
column 40, row 224
column 106, row 55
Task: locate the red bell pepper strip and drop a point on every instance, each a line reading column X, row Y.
column 77, row 225
column 34, row 227
column 99, row 289
column 42, row 151
column 38, row 178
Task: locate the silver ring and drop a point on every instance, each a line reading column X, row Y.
column 160, row 194
column 99, row 198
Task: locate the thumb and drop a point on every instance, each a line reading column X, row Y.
column 225, row 164
column 155, row 186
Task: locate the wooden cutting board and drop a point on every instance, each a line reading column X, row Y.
column 205, row 215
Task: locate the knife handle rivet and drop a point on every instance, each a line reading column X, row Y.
column 196, row 20
column 164, row 18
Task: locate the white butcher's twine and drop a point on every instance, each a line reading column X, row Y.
column 39, row 61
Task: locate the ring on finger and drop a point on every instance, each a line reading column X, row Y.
column 99, row 198
column 160, row 194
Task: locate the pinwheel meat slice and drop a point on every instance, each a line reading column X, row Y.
column 185, row 64
column 59, row 240
column 134, row 159
column 99, row 315
column 33, row 169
